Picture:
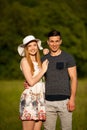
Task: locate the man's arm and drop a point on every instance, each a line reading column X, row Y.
column 73, row 77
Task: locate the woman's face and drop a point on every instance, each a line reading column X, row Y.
column 32, row 48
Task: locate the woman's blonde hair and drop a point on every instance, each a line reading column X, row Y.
column 37, row 57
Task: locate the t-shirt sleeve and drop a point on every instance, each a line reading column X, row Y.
column 71, row 61
column 43, row 58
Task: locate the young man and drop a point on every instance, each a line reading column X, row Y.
column 61, row 84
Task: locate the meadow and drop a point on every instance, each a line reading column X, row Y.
column 10, row 92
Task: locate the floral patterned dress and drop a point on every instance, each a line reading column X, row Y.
column 32, row 102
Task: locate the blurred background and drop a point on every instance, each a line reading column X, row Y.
column 19, row 18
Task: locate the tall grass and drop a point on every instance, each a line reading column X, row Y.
column 10, row 92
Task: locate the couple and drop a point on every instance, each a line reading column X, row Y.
column 59, row 69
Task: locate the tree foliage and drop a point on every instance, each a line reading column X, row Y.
column 24, row 17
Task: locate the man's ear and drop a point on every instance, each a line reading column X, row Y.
column 60, row 41
column 47, row 42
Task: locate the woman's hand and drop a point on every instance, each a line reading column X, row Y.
column 45, row 51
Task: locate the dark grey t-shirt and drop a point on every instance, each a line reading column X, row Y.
column 57, row 78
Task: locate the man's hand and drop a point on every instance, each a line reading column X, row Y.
column 71, row 105
column 26, row 85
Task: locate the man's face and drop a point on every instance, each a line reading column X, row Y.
column 54, row 43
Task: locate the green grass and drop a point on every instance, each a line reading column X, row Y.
column 9, row 105
column 10, row 92
column 80, row 114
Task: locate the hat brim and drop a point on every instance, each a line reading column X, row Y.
column 21, row 50
column 21, row 47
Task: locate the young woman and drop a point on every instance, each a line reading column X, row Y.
column 32, row 108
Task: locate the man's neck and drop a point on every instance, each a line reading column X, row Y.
column 55, row 53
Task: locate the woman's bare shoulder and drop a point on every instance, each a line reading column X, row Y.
column 24, row 59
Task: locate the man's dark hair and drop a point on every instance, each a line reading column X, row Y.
column 54, row 33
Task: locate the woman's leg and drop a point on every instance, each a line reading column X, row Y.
column 28, row 125
column 38, row 125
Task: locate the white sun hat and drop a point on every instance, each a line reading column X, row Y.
column 27, row 40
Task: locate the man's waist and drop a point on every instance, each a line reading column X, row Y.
column 56, row 97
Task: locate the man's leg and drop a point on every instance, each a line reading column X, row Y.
column 51, row 116
column 65, row 116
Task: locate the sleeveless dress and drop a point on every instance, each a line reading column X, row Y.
column 32, row 101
